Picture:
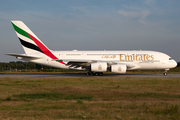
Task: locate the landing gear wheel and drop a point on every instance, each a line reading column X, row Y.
column 165, row 73
column 101, row 74
column 96, row 74
column 89, row 73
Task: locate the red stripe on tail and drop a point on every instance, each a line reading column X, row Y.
column 44, row 49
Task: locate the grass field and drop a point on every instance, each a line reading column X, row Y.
column 90, row 98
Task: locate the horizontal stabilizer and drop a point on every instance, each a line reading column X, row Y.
column 23, row 56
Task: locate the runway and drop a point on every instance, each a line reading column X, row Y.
column 80, row 75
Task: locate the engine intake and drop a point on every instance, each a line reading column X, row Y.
column 99, row 67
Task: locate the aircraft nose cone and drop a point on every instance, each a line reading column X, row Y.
column 172, row 64
column 175, row 63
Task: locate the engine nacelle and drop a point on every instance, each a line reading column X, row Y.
column 99, row 67
column 118, row 68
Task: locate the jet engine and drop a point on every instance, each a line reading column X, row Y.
column 118, row 68
column 99, row 67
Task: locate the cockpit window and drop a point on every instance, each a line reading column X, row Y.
column 170, row 59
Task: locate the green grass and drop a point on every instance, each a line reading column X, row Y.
column 90, row 98
column 53, row 96
column 155, row 95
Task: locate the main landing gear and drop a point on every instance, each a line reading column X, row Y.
column 165, row 72
column 95, row 73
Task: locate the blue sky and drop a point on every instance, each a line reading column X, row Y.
column 94, row 25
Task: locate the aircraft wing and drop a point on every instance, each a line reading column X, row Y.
column 23, row 56
column 75, row 63
column 86, row 63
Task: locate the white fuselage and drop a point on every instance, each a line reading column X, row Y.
column 134, row 60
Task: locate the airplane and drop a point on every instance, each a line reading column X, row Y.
column 94, row 62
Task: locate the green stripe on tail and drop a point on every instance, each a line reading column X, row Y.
column 20, row 31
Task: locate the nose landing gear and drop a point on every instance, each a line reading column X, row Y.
column 165, row 72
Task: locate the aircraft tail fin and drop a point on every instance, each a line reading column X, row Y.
column 30, row 42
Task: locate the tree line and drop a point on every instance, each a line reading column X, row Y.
column 19, row 66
